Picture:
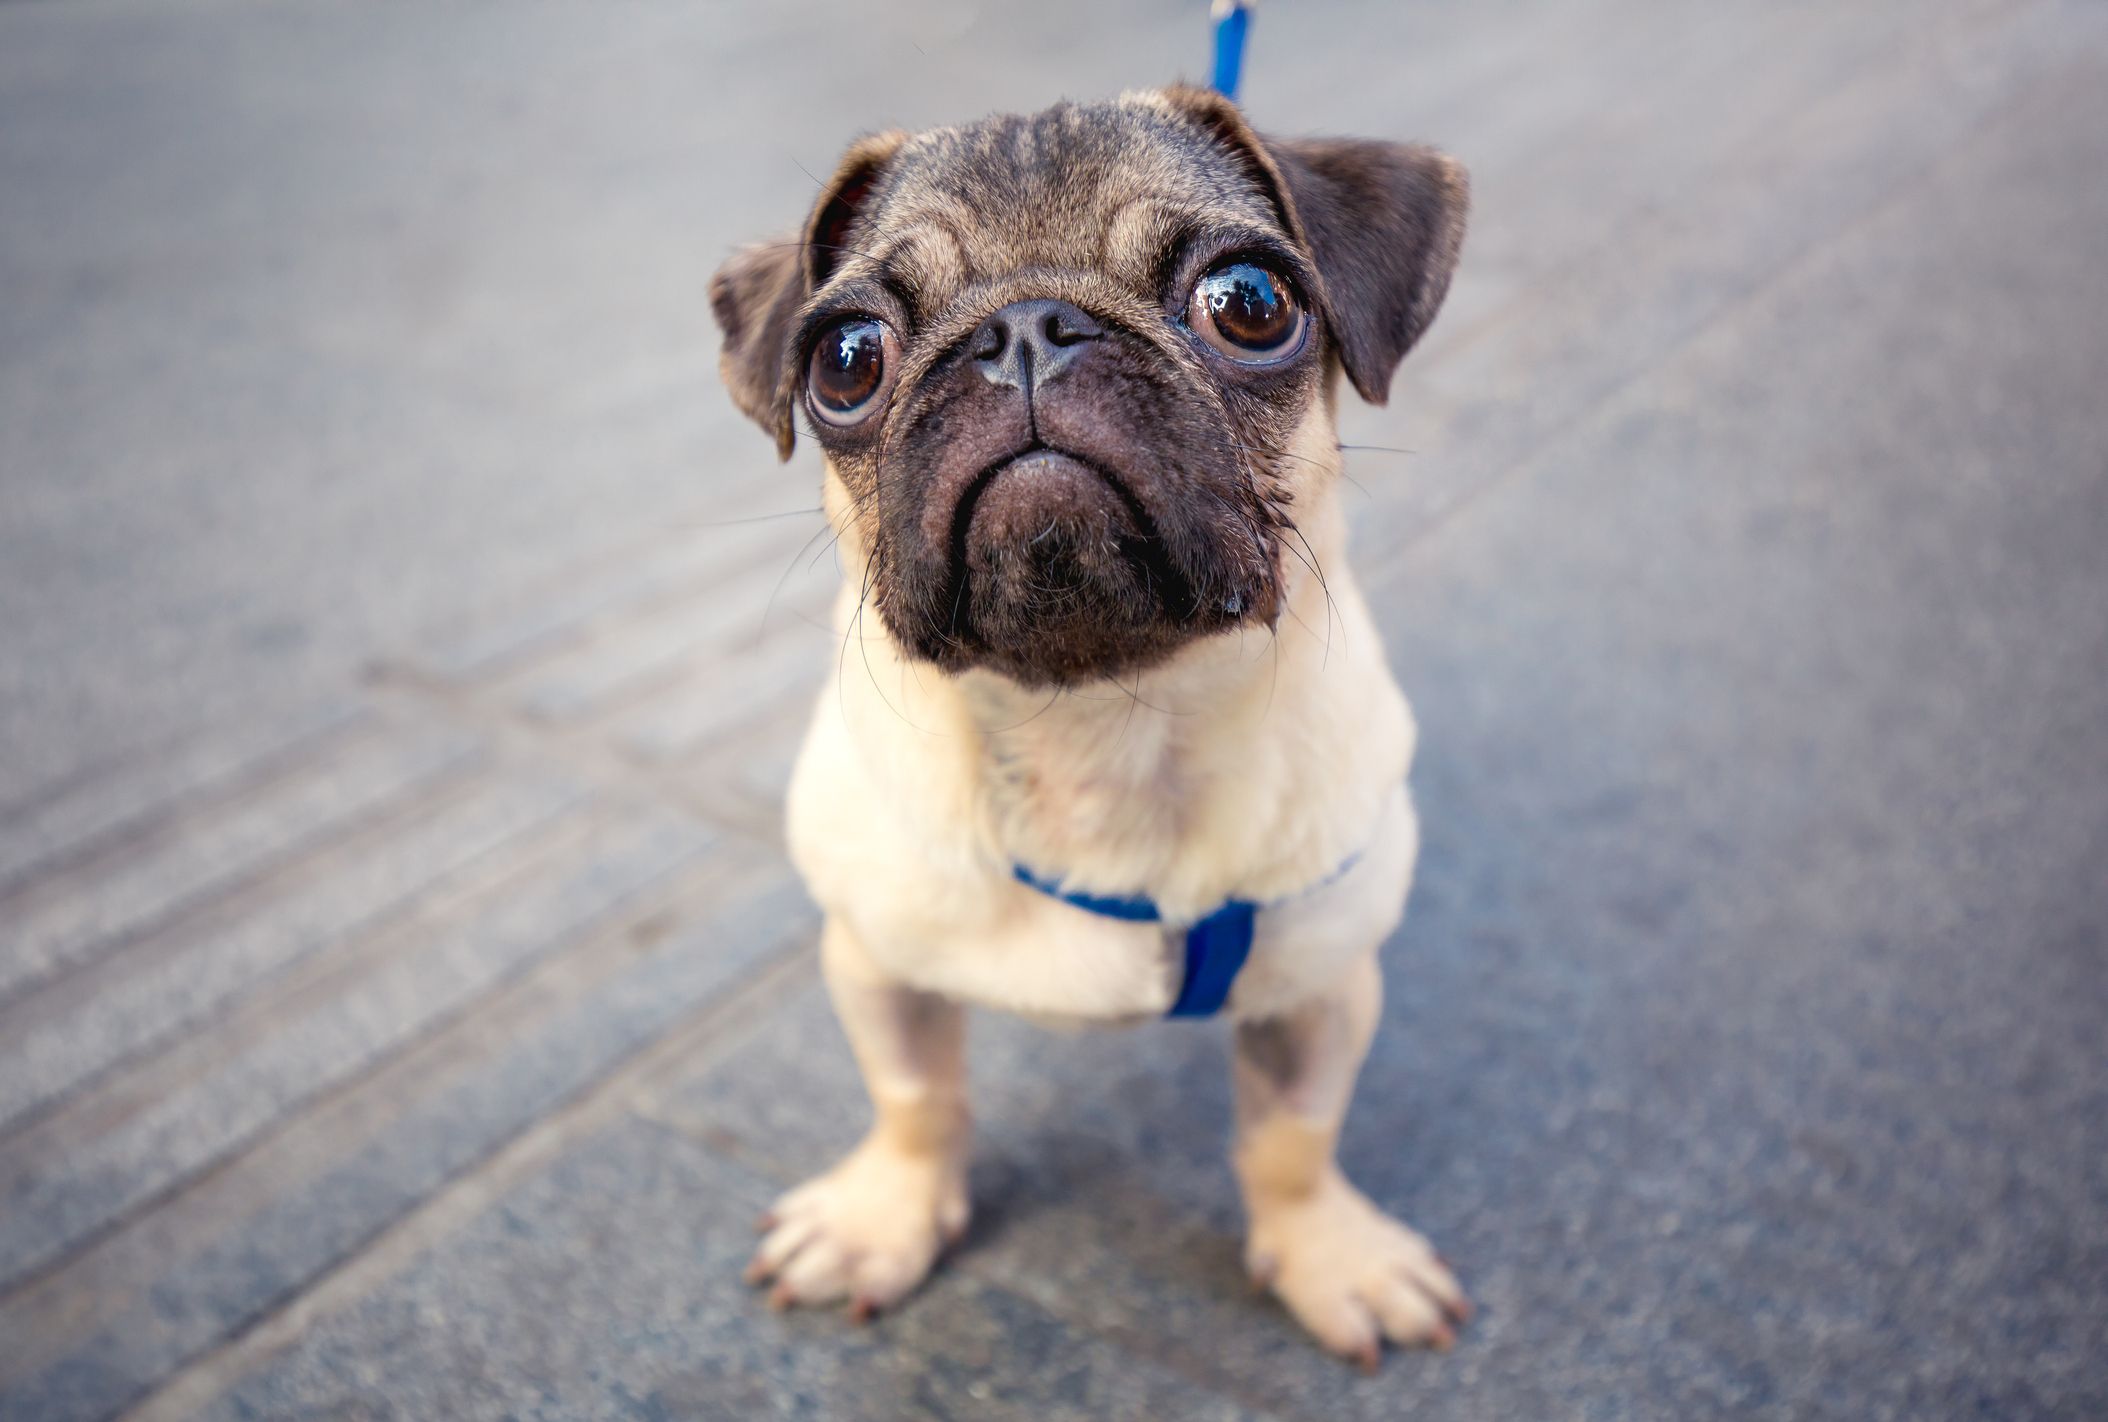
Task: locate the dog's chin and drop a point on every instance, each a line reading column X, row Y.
column 1026, row 645
column 1058, row 576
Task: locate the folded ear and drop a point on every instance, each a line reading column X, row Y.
column 756, row 296
column 1383, row 222
column 758, row 293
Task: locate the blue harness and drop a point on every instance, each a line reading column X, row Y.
column 1216, row 944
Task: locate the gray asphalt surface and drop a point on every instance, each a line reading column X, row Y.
column 404, row 1006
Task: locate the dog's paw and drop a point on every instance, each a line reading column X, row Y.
column 1352, row 1275
column 868, row 1230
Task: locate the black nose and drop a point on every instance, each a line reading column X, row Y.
column 1028, row 343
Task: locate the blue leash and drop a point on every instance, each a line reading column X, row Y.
column 1233, row 20
column 1218, row 944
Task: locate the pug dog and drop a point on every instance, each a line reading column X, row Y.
column 1112, row 735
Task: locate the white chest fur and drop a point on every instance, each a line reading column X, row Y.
column 915, row 796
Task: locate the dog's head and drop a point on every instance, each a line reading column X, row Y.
column 1068, row 368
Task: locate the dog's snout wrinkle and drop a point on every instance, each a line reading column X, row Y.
column 1029, row 343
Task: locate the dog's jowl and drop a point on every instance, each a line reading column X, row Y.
column 1118, row 740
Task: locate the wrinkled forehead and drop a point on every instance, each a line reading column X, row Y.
column 1112, row 189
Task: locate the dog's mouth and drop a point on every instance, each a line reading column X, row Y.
column 1082, row 534
column 1044, row 533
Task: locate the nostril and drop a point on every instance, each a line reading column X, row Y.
column 1068, row 328
column 1029, row 341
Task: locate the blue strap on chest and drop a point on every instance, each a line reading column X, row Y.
column 1216, row 946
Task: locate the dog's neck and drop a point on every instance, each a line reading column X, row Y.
column 1181, row 782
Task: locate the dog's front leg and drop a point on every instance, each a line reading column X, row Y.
column 869, row 1229
column 1350, row 1273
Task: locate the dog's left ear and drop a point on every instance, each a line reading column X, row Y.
column 757, row 294
column 1383, row 221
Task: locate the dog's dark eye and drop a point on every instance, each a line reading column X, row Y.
column 847, row 369
column 1247, row 312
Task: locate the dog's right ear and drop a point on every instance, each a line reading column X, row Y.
column 755, row 295
column 759, row 292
